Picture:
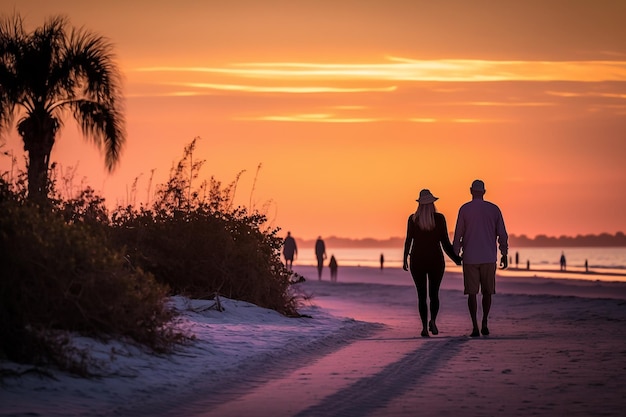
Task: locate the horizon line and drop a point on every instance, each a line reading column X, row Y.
column 618, row 234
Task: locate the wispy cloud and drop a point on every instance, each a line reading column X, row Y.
column 383, row 87
column 507, row 103
column 586, row 94
column 456, row 120
column 468, row 121
column 316, row 118
column 403, row 69
column 283, row 89
column 334, row 118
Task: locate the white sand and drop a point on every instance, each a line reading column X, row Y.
column 558, row 347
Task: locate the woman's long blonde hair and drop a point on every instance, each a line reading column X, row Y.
column 424, row 216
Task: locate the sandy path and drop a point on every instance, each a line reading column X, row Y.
column 547, row 355
column 370, row 370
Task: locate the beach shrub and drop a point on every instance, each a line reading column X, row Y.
column 194, row 241
column 60, row 276
column 70, row 267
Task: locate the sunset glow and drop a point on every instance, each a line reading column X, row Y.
column 400, row 69
column 351, row 108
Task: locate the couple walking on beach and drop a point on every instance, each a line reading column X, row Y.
column 478, row 233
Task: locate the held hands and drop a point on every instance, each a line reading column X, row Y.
column 405, row 265
column 504, row 262
column 458, row 260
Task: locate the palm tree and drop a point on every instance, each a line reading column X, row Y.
column 49, row 73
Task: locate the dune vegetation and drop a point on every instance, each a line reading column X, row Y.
column 75, row 267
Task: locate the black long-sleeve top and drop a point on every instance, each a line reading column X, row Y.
column 425, row 245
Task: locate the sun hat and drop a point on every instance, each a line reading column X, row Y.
column 478, row 185
column 426, row 197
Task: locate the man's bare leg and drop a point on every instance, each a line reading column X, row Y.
column 473, row 307
column 486, row 307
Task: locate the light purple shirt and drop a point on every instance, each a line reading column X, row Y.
column 479, row 230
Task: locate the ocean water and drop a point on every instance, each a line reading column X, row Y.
column 609, row 261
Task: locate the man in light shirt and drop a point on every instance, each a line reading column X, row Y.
column 479, row 232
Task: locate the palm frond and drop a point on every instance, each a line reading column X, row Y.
column 104, row 125
column 92, row 61
column 12, row 35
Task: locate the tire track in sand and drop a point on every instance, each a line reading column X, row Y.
column 376, row 391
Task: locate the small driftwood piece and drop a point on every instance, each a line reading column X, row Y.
column 217, row 305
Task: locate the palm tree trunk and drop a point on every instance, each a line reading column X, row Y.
column 38, row 160
column 38, row 135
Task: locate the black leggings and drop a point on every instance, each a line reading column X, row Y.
column 427, row 280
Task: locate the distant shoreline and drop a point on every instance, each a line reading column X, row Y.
column 603, row 240
column 577, row 271
column 509, row 281
column 570, row 275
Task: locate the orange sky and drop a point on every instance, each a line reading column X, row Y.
column 352, row 107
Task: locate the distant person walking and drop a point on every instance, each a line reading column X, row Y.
column 563, row 262
column 479, row 230
column 382, row 261
column 320, row 254
column 290, row 249
column 426, row 232
column 516, row 259
column 333, row 268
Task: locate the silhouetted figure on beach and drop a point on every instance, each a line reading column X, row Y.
column 479, row 230
column 563, row 262
column 586, row 266
column 516, row 259
column 528, row 265
column 426, row 233
column 320, row 254
column 333, row 268
column 290, row 249
column 382, row 261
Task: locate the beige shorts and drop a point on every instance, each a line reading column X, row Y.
column 479, row 277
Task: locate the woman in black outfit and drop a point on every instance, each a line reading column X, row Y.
column 426, row 233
